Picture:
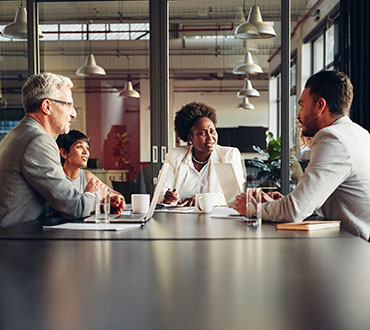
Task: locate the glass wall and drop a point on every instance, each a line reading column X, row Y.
column 13, row 71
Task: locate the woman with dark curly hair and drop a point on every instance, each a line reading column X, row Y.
column 191, row 166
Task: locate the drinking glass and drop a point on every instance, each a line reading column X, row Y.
column 102, row 205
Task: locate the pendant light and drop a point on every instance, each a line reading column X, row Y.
column 128, row 90
column 248, row 67
column 90, row 68
column 265, row 30
column 248, row 90
column 245, row 104
column 18, row 28
column 245, row 30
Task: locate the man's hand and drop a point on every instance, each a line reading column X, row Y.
column 91, row 186
column 117, row 204
column 240, row 204
column 269, row 197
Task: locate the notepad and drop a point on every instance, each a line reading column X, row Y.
column 308, row 225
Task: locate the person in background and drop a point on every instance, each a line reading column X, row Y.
column 336, row 182
column 74, row 148
column 30, row 173
column 191, row 170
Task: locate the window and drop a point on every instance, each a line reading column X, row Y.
column 323, row 50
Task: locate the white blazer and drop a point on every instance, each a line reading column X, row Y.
column 181, row 163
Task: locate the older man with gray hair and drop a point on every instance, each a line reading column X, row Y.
column 31, row 175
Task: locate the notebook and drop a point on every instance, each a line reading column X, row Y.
column 228, row 182
column 308, row 225
column 142, row 218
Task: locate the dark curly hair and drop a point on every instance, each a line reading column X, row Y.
column 187, row 116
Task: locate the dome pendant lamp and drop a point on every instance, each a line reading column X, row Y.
column 128, row 91
column 90, row 68
column 18, row 28
column 245, row 30
column 265, row 30
column 245, row 104
column 248, row 90
column 248, row 67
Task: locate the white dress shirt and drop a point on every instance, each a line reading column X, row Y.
column 188, row 181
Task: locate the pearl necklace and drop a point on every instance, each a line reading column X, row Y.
column 199, row 162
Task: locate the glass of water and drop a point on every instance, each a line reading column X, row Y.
column 102, row 205
column 253, row 206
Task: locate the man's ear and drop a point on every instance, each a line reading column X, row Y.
column 322, row 105
column 63, row 153
column 45, row 107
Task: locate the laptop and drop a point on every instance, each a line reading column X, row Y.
column 142, row 218
column 228, row 182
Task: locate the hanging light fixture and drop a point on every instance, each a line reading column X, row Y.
column 245, row 30
column 90, row 68
column 18, row 28
column 245, row 104
column 128, row 90
column 265, row 30
column 248, row 67
column 254, row 27
column 248, row 90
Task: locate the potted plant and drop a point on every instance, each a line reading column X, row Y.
column 269, row 174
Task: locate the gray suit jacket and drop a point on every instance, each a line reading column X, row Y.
column 31, row 176
column 336, row 181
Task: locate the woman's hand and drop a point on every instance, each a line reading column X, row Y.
column 188, row 202
column 171, row 197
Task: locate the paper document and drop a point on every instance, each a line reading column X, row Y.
column 94, row 226
column 177, row 209
column 225, row 213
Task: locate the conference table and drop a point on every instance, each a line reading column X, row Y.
column 183, row 271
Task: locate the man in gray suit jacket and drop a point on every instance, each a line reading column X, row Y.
column 336, row 182
column 30, row 172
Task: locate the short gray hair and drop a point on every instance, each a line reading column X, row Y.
column 41, row 86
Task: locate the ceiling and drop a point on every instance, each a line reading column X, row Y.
column 190, row 55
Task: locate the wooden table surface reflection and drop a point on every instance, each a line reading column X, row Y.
column 180, row 272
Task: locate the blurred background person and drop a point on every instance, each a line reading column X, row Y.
column 191, row 170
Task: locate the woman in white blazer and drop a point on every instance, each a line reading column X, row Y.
column 191, row 167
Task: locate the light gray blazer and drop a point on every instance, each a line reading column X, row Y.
column 31, row 176
column 336, row 181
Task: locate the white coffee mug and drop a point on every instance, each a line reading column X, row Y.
column 204, row 202
column 140, row 203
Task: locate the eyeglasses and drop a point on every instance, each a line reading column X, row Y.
column 69, row 104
